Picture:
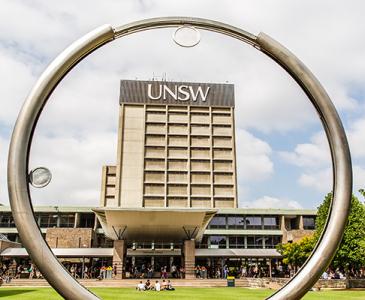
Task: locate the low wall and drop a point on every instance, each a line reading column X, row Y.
column 356, row 284
column 275, row 283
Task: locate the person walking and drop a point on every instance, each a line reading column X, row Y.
column 225, row 271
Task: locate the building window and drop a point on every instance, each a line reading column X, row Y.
column 204, row 243
column 236, row 222
column 271, row 241
column 218, row 222
column 217, row 241
column 48, row 220
column 87, row 220
column 13, row 237
column 6, row 220
column 271, row 222
column 294, row 223
column 253, row 222
column 67, row 220
column 309, row 223
column 236, row 242
column 255, row 242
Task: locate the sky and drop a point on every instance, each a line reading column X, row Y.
column 283, row 159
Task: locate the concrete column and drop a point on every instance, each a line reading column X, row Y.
column 282, row 223
column 189, row 258
column 77, row 220
column 301, row 222
column 96, row 222
column 119, row 248
column 283, row 230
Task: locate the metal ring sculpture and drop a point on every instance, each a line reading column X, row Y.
column 21, row 140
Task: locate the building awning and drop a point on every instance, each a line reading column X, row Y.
column 150, row 252
column 63, row 252
column 154, row 224
column 238, row 253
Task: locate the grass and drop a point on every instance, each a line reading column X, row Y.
column 180, row 293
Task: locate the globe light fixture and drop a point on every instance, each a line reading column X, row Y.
column 40, row 177
column 186, row 36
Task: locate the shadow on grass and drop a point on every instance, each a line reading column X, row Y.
column 13, row 292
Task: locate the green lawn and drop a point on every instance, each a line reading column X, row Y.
column 180, row 293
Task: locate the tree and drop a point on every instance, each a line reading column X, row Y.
column 296, row 253
column 351, row 253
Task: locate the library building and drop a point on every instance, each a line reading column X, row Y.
column 169, row 204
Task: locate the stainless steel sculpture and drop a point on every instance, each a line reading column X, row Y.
column 21, row 140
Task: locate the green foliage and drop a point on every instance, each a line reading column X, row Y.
column 351, row 253
column 296, row 253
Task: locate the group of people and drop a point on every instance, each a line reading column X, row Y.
column 11, row 270
column 148, row 271
column 97, row 272
column 203, row 272
column 221, row 272
column 333, row 274
column 164, row 286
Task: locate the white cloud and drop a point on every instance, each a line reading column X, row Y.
column 310, row 155
column 75, row 165
column 315, row 161
column 253, row 157
column 358, row 177
column 272, row 202
column 319, row 180
column 84, row 107
column 356, row 136
column 322, row 180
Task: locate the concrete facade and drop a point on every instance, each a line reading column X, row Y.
column 70, row 237
column 189, row 259
column 119, row 251
column 173, row 155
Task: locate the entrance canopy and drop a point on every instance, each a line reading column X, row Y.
column 154, row 224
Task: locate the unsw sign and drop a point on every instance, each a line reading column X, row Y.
column 180, row 93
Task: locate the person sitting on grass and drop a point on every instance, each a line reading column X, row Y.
column 164, row 285
column 157, row 286
column 140, row 286
column 169, row 286
column 148, row 284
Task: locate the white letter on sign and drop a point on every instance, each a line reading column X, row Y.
column 149, row 92
column 199, row 91
column 183, row 91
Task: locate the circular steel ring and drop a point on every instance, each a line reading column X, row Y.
column 21, row 140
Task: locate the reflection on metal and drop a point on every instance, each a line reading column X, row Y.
column 40, row 177
column 186, row 36
column 20, row 201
